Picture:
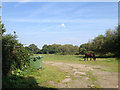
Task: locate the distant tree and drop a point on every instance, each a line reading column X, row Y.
column 33, row 48
column 98, row 43
column 52, row 49
column 66, row 49
column 82, row 50
column 39, row 52
column 76, row 50
column 45, row 49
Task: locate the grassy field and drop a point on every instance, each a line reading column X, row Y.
column 33, row 78
column 111, row 63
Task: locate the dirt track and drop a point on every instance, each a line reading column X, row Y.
column 78, row 76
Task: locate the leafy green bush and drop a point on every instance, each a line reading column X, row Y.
column 14, row 54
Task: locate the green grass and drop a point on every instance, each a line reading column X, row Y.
column 110, row 63
column 33, row 78
column 46, row 74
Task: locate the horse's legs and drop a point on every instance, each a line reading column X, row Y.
column 90, row 58
column 84, row 58
column 94, row 58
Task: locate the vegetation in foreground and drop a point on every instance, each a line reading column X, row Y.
column 14, row 54
column 33, row 78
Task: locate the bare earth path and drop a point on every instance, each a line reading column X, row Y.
column 84, row 76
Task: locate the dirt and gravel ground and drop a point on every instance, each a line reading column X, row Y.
column 85, row 76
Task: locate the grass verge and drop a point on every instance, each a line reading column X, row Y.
column 33, row 78
column 48, row 73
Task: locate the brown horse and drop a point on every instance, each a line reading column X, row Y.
column 90, row 55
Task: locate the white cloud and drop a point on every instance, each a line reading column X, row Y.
column 63, row 25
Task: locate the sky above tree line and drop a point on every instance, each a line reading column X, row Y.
column 59, row 22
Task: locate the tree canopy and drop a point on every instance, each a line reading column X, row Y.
column 33, row 48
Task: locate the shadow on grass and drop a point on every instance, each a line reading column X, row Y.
column 21, row 83
column 97, row 56
column 105, row 56
column 118, row 58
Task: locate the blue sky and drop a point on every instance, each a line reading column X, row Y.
column 61, row 22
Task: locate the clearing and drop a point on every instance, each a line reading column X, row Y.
column 84, row 76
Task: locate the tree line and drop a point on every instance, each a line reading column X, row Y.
column 107, row 44
column 67, row 49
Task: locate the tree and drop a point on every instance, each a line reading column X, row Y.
column 116, row 43
column 52, row 49
column 76, row 50
column 33, row 48
column 45, row 49
column 67, row 49
column 98, row 43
